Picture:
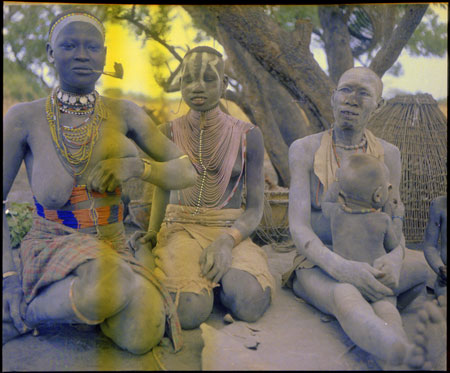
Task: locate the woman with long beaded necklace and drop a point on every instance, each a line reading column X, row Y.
column 78, row 149
column 204, row 241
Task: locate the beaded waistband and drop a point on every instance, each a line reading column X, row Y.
column 83, row 218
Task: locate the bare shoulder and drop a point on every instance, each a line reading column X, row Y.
column 122, row 105
column 24, row 114
column 439, row 204
column 304, row 149
column 390, row 150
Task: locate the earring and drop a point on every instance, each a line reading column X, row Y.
column 179, row 105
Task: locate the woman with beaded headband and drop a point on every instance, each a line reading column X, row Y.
column 78, row 148
column 204, row 241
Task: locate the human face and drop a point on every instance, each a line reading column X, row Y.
column 355, row 99
column 78, row 50
column 202, row 81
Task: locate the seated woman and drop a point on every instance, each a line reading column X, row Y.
column 204, row 239
column 75, row 266
column 339, row 286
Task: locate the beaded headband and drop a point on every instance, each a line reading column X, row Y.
column 74, row 17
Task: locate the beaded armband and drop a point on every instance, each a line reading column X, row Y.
column 398, row 217
column 236, row 234
column 9, row 273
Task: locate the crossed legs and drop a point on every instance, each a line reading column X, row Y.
column 105, row 290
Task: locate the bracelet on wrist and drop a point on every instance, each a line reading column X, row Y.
column 398, row 217
column 9, row 273
column 147, row 169
column 236, row 234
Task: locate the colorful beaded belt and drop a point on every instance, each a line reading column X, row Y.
column 83, row 218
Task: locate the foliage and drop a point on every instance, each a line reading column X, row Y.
column 20, row 220
column 25, row 28
column 429, row 38
column 21, row 85
column 285, row 15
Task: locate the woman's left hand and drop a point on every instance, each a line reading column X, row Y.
column 216, row 258
column 108, row 174
column 390, row 270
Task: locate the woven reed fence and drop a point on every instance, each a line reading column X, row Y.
column 416, row 125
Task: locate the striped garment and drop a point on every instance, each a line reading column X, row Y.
column 51, row 251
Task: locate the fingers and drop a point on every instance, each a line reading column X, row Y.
column 371, row 287
column 102, row 179
column 218, row 276
column 102, row 182
column 377, row 287
column 112, row 185
column 208, row 262
column 213, row 273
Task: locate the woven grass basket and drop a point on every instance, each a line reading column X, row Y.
column 416, row 125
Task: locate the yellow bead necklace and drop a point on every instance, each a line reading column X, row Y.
column 81, row 138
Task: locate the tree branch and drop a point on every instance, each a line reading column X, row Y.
column 388, row 54
column 277, row 51
column 337, row 40
column 132, row 19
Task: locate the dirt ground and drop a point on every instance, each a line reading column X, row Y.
column 291, row 335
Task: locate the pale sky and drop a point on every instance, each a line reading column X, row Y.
column 420, row 74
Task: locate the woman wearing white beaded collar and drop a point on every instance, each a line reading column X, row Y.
column 78, row 149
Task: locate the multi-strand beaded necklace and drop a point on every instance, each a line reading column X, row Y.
column 74, row 144
column 212, row 144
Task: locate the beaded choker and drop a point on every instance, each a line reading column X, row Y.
column 77, row 104
column 363, row 209
column 361, row 145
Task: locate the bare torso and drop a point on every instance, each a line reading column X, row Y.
column 319, row 222
column 50, row 182
column 358, row 237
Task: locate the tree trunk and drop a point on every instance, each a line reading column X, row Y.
column 337, row 41
column 262, row 98
column 285, row 55
column 387, row 55
column 277, row 71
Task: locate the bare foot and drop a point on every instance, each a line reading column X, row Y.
column 430, row 339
